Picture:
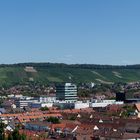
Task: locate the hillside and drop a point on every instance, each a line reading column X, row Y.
column 48, row 72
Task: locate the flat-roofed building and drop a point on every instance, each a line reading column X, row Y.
column 66, row 92
column 24, row 103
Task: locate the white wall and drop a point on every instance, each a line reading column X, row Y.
column 47, row 104
column 99, row 104
column 104, row 103
column 81, row 105
column 138, row 115
column 47, row 99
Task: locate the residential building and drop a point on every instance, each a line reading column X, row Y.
column 2, row 110
column 37, row 126
column 137, row 106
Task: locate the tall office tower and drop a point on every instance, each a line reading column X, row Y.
column 66, row 92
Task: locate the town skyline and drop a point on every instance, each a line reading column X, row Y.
column 69, row 70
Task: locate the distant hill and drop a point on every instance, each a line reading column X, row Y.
column 54, row 72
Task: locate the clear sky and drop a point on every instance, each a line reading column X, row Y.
column 70, row 31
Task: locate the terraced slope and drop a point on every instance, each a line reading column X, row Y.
column 47, row 72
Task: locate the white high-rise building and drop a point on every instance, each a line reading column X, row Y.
column 66, row 92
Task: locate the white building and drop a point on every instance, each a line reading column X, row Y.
column 39, row 105
column 80, row 105
column 13, row 106
column 24, row 103
column 71, row 105
column 64, row 105
column 18, row 96
column 66, row 92
column 47, row 99
column 103, row 103
column 10, row 95
column 137, row 106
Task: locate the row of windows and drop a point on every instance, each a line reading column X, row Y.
column 66, row 90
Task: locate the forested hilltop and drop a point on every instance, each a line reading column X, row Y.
column 11, row 74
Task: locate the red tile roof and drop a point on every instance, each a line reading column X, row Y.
column 138, row 106
column 25, row 117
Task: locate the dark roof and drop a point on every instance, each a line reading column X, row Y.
column 118, row 134
column 2, row 110
column 129, row 127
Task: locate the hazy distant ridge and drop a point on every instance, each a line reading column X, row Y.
column 58, row 72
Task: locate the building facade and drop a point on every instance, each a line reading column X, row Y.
column 46, row 99
column 66, row 92
column 24, row 103
column 104, row 103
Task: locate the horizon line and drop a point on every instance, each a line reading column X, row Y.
column 69, row 63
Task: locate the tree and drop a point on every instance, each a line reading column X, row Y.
column 53, row 120
column 23, row 137
column 44, row 108
column 16, row 135
column 2, row 135
column 10, row 137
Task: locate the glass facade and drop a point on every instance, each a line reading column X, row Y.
column 66, row 92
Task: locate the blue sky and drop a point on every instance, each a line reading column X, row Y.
column 70, row 31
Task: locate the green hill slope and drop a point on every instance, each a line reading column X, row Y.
column 47, row 72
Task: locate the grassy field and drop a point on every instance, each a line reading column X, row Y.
column 11, row 75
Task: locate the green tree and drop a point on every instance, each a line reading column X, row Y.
column 10, row 137
column 44, row 108
column 53, row 120
column 2, row 135
column 16, row 135
column 23, row 137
